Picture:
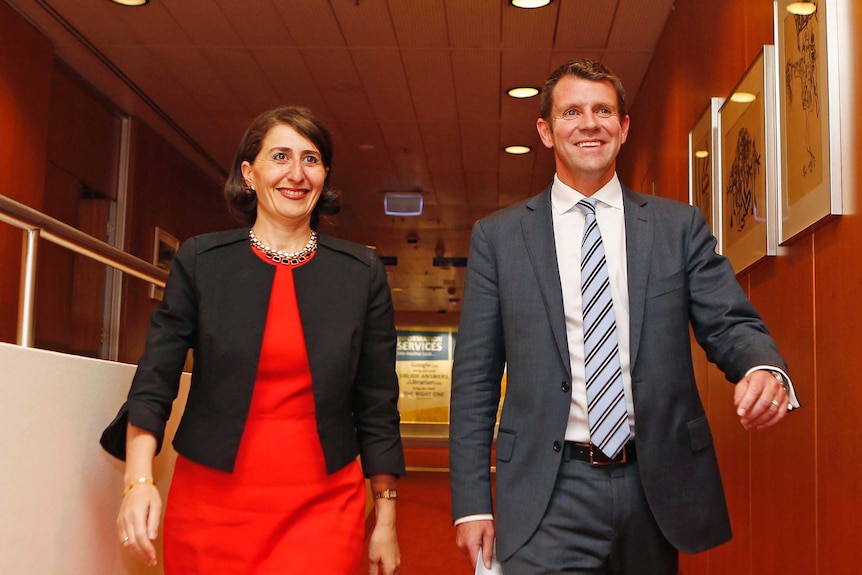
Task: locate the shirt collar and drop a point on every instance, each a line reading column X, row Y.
column 564, row 198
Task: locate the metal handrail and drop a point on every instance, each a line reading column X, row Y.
column 37, row 225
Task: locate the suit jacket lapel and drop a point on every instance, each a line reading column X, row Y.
column 639, row 241
column 538, row 229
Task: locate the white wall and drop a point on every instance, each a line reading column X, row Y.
column 59, row 491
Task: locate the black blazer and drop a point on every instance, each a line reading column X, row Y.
column 216, row 302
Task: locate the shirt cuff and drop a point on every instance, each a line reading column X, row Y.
column 791, row 393
column 478, row 517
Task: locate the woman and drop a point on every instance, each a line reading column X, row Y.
column 294, row 376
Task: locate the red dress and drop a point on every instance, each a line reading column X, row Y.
column 279, row 512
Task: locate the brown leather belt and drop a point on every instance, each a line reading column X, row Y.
column 590, row 453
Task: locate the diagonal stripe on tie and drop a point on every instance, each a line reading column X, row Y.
column 606, row 406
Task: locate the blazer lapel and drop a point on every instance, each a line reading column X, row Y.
column 639, row 241
column 538, row 229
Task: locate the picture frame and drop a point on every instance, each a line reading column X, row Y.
column 747, row 176
column 165, row 246
column 808, row 125
column 703, row 165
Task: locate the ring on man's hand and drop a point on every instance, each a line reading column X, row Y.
column 125, row 541
column 775, row 402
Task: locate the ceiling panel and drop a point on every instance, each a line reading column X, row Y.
column 584, row 24
column 529, row 29
column 203, row 22
column 420, row 23
column 381, row 73
column 311, row 23
column 474, row 24
column 432, row 84
column 256, row 23
column 365, row 24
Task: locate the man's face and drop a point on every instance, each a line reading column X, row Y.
column 585, row 132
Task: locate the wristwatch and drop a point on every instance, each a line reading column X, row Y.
column 783, row 381
column 385, row 494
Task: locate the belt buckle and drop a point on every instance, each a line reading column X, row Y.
column 607, row 461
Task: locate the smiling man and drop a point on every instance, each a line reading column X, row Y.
column 586, row 294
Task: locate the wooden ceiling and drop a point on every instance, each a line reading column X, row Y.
column 414, row 92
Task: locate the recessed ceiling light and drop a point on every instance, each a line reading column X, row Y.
column 517, row 150
column 801, row 8
column 131, row 2
column 523, row 92
column 701, row 154
column 529, row 3
column 743, row 97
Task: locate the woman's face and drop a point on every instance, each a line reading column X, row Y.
column 288, row 176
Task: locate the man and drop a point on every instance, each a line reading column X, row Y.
column 604, row 457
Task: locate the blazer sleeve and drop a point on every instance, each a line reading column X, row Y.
column 724, row 321
column 375, row 404
column 171, row 333
column 476, row 377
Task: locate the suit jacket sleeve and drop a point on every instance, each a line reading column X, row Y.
column 724, row 321
column 476, row 377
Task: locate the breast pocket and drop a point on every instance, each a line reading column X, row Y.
column 666, row 285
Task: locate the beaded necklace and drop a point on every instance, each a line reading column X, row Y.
column 286, row 258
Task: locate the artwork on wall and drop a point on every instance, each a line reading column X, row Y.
column 703, row 164
column 747, row 179
column 164, row 247
column 808, row 128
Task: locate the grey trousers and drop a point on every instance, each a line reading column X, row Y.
column 597, row 523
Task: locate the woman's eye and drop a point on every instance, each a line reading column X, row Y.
column 313, row 160
column 279, row 157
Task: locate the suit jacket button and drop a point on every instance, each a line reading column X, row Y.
column 557, row 446
column 565, row 386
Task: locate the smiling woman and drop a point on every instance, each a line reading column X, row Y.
column 293, row 378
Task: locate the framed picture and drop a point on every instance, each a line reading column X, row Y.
column 703, row 164
column 747, row 175
column 164, row 247
column 808, row 104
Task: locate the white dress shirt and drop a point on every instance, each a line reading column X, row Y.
column 568, row 220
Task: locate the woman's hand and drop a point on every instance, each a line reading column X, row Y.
column 384, row 556
column 141, row 509
column 138, row 522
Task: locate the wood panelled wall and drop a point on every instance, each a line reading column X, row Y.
column 167, row 191
column 793, row 491
column 26, row 59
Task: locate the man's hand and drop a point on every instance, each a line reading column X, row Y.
column 760, row 399
column 471, row 535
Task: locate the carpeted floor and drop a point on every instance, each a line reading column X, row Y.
column 425, row 531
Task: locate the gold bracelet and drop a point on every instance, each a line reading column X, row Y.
column 138, row 481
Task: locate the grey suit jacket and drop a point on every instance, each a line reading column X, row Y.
column 512, row 315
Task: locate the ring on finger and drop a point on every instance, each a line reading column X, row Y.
column 775, row 402
column 125, row 540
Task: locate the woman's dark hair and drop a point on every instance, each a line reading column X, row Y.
column 242, row 200
column 588, row 70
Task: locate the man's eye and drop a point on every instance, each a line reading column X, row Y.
column 570, row 113
column 604, row 112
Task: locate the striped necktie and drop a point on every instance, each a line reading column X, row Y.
column 606, row 405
